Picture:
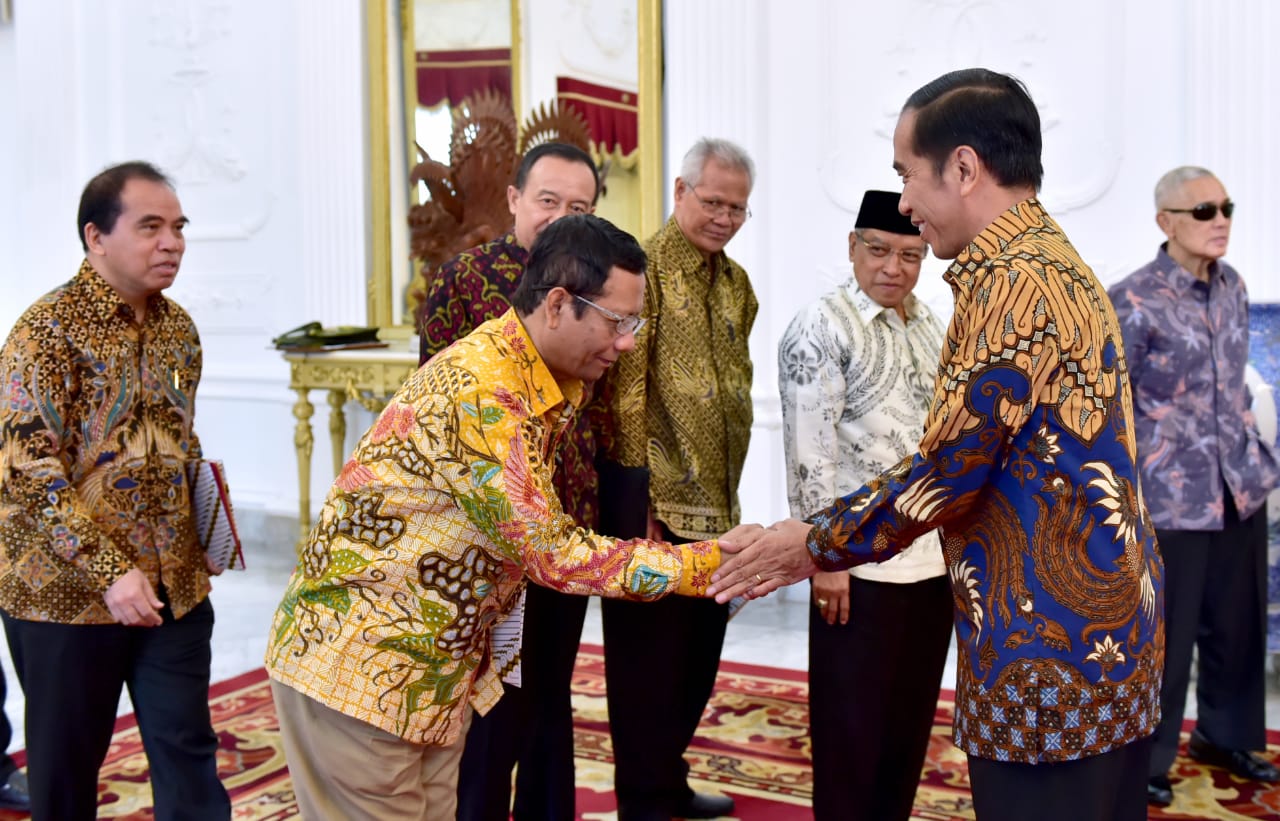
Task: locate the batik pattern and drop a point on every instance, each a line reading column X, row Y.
column 424, row 541
column 856, row 381
column 95, row 432
column 474, row 287
column 680, row 401
column 1186, row 344
column 1028, row 466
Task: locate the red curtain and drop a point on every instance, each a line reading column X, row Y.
column 610, row 112
column 449, row 76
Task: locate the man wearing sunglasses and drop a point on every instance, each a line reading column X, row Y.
column 855, row 370
column 678, row 424
column 1205, row 473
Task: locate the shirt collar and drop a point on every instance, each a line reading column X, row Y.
column 869, row 309
column 105, row 302
column 513, row 248
column 690, row 258
column 1179, row 277
column 991, row 243
column 544, row 392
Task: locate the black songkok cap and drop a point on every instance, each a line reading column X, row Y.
column 880, row 211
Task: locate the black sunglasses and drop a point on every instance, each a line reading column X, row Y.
column 1206, row 211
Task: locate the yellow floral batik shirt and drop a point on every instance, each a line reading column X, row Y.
column 679, row 403
column 426, row 537
column 1029, row 466
column 95, row 433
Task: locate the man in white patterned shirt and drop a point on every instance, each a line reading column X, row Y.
column 856, row 370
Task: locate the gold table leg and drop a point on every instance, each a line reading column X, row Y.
column 337, row 428
column 303, row 442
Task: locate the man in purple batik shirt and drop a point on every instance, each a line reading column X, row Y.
column 1205, row 475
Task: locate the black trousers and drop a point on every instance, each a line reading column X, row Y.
column 72, row 675
column 1107, row 787
column 7, row 764
column 531, row 728
column 1216, row 602
column 873, row 693
column 661, row 660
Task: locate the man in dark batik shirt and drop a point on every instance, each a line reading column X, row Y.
column 533, row 723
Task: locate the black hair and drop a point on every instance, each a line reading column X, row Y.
column 576, row 252
column 990, row 112
column 100, row 201
column 565, row 152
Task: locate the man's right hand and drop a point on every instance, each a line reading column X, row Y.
column 831, row 595
column 132, row 602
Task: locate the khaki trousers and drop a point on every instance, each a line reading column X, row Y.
column 344, row 768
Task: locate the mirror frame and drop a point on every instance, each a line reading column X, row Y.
column 384, row 44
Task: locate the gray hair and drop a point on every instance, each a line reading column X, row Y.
column 722, row 151
column 1172, row 182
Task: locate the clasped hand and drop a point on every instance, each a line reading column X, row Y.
column 762, row 559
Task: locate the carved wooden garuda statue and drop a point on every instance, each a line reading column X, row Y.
column 467, row 199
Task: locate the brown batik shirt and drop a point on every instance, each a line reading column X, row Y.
column 680, row 402
column 95, row 432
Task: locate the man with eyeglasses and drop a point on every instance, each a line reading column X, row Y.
column 678, row 425
column 531, row 728
column 855, row 371
column 389, row 635
column 1206, row 473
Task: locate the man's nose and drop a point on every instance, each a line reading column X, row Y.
column 624, row 342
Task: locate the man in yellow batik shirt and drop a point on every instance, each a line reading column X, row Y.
column 389, row 633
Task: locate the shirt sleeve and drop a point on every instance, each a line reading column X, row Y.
column 812, row 386
column 37, row 409
column 444, row 313
column 1134, row 330
column 989, row 387
column 502, row 482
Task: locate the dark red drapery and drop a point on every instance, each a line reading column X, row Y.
column 449, row 76
column 610, row 112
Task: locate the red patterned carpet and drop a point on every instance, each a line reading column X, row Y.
column 752, row 745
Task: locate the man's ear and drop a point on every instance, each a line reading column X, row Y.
column 513, row 196
column 853, row 243
column 552, row 304
column 1165, row 221
column 92, row 238
column 968, row 168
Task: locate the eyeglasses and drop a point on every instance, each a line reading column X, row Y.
column 718, row 208
column 625, row 324
column 1205, row 211
column 909, row 256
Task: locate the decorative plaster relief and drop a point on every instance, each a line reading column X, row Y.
column 206, row 134
column 455, row 25
column 1079, row 95
column 597, row 42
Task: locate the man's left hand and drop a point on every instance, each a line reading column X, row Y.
column 780, row 556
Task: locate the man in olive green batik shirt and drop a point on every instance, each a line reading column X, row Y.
column 680, row 420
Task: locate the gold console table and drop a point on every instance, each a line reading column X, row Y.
column 368, row 376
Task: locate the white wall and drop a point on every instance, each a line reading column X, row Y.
column 255, row 110
column 258, row 111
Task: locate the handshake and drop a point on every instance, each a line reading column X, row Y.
column 762, row 559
